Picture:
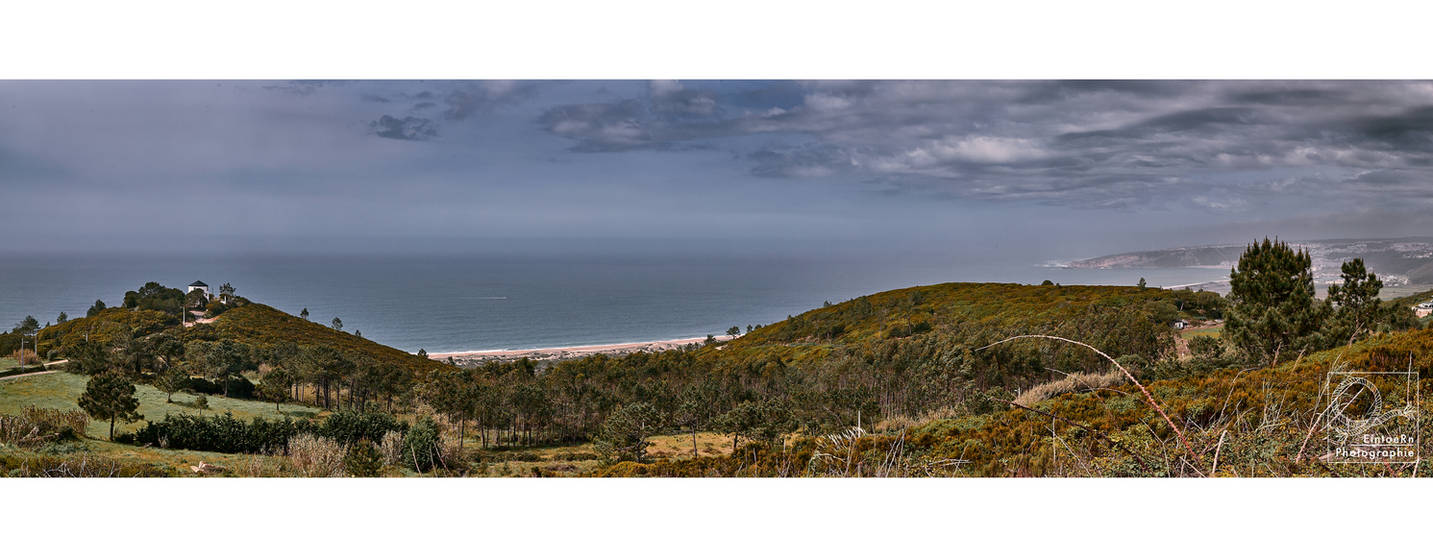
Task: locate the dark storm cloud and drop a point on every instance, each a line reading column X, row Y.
column 643, row 158
column 667, row 115
column 453, row 101
column 1219, row 145
column 1409, row 131
column 466, row 101
column 409, row 128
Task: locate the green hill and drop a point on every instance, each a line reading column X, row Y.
column 262, row 326
column 106, row 326
column 929, row 336
column 909, row 311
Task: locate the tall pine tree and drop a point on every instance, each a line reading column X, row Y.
column 110, row 396
column 1356, row 300
column 1272, row 310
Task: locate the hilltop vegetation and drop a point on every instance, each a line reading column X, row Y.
column 264, row 327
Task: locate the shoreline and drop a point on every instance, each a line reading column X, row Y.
column 564, row 352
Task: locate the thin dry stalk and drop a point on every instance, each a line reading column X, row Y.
column 1215, row 469
column 1319, row 418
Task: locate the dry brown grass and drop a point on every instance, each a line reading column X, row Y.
column 77, row 466
column 679, row 446
column 391, row 448
column 898, row 424
column 1074, row 382
column 36, row 426
column 25, row 357
column 315, row 457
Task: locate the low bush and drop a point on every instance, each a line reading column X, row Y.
column 223, row 433
column 239, row 387
column 422, row 446
column 227, row 434
column 348, row 426
column 363, row 460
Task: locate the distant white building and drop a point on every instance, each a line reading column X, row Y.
column 1423, row 310
column 198, row 285
column 1180, row 324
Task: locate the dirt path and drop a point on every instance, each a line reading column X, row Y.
column 34, row 373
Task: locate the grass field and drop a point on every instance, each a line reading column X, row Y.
column 7, row 363
column 1214, row 331
column 1392, row 292
column 61, row 391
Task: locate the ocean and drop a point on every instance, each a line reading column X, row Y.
column 455, row 303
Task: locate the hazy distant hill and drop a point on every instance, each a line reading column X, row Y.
column 1397, row 260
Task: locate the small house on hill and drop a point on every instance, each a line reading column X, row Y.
column 198, row 285
column 1180, row 324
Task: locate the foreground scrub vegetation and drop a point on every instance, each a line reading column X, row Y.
column 913, row 382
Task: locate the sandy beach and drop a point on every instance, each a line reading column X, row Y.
column 565, row 352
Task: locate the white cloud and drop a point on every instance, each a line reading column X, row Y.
column 825, row 103
column 664, row 87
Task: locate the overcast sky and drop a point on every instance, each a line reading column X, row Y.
column 1084, row 168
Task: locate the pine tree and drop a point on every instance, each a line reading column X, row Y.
column 1356, row 300
column 173, row 379
column 110, row 396
column 1272, row 309
column 275, row 387
column 304, row 314
column 623, row 436
column 28, row 325
column 695, row 408
column 362, row 460
column 455, row 393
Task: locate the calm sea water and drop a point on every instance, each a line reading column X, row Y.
column 477, row 303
